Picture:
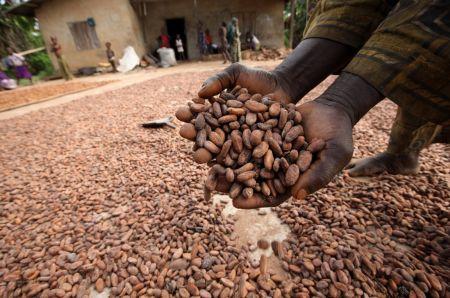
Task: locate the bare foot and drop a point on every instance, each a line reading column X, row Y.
column 384, row 162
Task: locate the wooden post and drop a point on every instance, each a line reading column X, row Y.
column 292, row 24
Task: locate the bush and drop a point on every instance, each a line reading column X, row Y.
column 40, row 64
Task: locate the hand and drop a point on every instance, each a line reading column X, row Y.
column 255, row 80
column 329, row 123
column 334, row 126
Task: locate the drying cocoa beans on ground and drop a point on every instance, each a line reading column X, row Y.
column 253, row 141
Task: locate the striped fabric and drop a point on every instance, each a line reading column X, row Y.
column 404, row 50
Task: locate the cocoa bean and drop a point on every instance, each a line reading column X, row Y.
column 292, row 174
column 260, row 150
column 229, row 174
column 293, row 133
column 268, row 160
column 275, row 147
column 244, row 157
column 188, row 131
column 234, row 104
column 237, row 111
column 237, row 142
column 275, row 109
column 200, row 122
column 227, row 96
column 283, row 118
column 247, row 192
column 184, row 114
column 215, row 138
column 217, row 111
column 202, row 155
column 211, row 147
column 235, row 190
column 245, row 176
column 255, row 106
column 250, row 118
column 224, row 151
column 227, row 119
column 246, row 138
column 304, row 160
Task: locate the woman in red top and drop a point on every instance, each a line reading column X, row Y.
column 164, row 40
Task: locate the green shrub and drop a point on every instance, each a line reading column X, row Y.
column 40, row 64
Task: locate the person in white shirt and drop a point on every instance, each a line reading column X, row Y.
column 180, row 49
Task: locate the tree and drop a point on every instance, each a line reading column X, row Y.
column 295, row 15
column 22, row 33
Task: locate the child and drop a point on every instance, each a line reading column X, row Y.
column 111, row 56
column 19, row 64
column 179, row 45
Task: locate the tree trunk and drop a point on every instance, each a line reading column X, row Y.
column 292, row 24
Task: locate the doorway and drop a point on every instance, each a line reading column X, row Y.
column 174, row 27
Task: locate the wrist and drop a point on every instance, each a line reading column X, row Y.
column 353, row 95
column 285, row 83
column 309, row 64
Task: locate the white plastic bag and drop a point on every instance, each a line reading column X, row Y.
column 129, row 60
column 167, row 57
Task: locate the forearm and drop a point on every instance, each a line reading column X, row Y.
column 310, row 63
column 351, row 94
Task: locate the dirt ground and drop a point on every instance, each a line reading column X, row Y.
column 33, row 94
column 113, row 81
column 91, row 202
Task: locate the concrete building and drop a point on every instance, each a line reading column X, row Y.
column 83, row 26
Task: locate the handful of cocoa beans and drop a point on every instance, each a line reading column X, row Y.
column 256, row 143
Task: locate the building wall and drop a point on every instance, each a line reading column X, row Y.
column 116, row 22
column 263, row 18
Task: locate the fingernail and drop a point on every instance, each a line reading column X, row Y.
column 301, row 194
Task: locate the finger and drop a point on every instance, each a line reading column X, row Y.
column 258, row 202
column 250, row 203
column 356, row 171
column 364, row 168
column 219, row 82
column 351, row 164
column 222, row 184
column 330, row 162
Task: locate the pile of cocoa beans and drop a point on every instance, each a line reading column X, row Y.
column 255, row 143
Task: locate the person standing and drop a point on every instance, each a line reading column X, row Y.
column 63, row 67
column 235, row 35
column 164, row 39
column 180, row 48
column 111, row 56
column 19, row 64
column 224, row 43
column 201, row 39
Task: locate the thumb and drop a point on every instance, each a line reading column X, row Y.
column 219, row 82
column 330, row 161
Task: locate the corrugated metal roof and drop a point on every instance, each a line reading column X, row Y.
column 25, row 8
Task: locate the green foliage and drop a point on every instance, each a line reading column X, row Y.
column 40, row 64
column 22, row 33
column 299, row 19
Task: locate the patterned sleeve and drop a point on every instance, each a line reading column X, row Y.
column 349, row 22
column 407, row 58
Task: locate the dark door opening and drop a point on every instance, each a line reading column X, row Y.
column 174, row 27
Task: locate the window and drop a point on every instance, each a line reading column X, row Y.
column 84, row 36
